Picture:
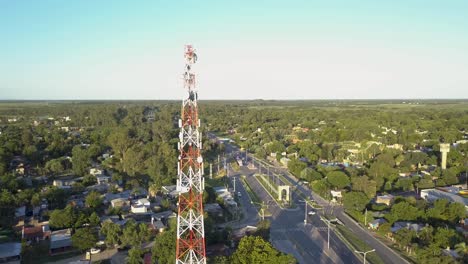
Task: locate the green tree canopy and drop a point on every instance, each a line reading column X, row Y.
column 84, row 238
column 253, row 249
column 338, row 179
column 93, row 199
column 356, row 201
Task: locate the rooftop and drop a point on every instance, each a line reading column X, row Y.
column 10, row 249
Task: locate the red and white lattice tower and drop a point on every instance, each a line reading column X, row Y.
column 190, row 183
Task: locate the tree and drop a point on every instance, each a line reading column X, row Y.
column 449, row 177
column 164, row 247
column 445, row 237
column 253, row 249
column 296, row 166
column 134, row 234
column 403, row 211
column 84, row 238
column 433, row 255
column 80, row 160
column 405, row 237
column 135, row 256
column 7, row 208
column 461, row 249
column 405, row 184
column 112, row 232
column 89, row 180
column 93, row 199
column 310, row 175
column 338, row 179
column 65, row 218
column 36, row 199
column 356, row 201
column 54, row 166
column 94, row 219
column 426, row 182
column 363, row 184
column 132, row 161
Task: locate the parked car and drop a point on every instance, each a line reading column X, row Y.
column 94, row 250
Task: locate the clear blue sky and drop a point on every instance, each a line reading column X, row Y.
column 247, row 49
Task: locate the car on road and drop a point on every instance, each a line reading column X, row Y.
column 239, row 194
column 94, row 250
column 311, row 213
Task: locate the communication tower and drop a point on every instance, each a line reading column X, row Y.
column 190, row 247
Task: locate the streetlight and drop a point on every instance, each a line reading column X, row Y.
column 328, row 225
column 305, row 212
column 365, row 253
column 261, row 208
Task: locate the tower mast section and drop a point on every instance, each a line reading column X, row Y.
column 190, row 246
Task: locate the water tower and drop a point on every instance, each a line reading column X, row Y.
column 444, row 149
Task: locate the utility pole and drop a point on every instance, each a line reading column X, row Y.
column 269, row 180
column 365, row 218
column 211, row 170
column 305, row 212
column 328, row 225
column 364, row 253
column 218, row 165
column 234, row 183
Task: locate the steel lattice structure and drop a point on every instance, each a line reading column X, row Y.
column 190, row 184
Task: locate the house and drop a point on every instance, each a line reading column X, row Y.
column 451, row 253
column 376, row 223
column 103, row 179
column 78, row 203
column 64, row 183
column 157, row 225
column 138, row 209
column 219, row 249
column 284, row 161
column 408, row 225
column 139, row 193
column 143, row 202
column 20, row 212
column 96, row 172
column 213, row 208
column 120, row 202
column 60, row 241
column 10, row 253
column 108, row 197
column 112, row 218
column 384, row 199
column 36, row 233
column 451, row 194
column 242, row 232
column 170, row 191
column 165, row 215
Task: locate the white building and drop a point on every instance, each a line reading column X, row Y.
column 138, row 209
column 143, row 202
column 431, row 195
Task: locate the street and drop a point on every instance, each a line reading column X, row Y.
column 385, row 253
column 307, row 243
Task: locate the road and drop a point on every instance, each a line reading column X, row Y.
column 384, row 252
column 307, row 243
